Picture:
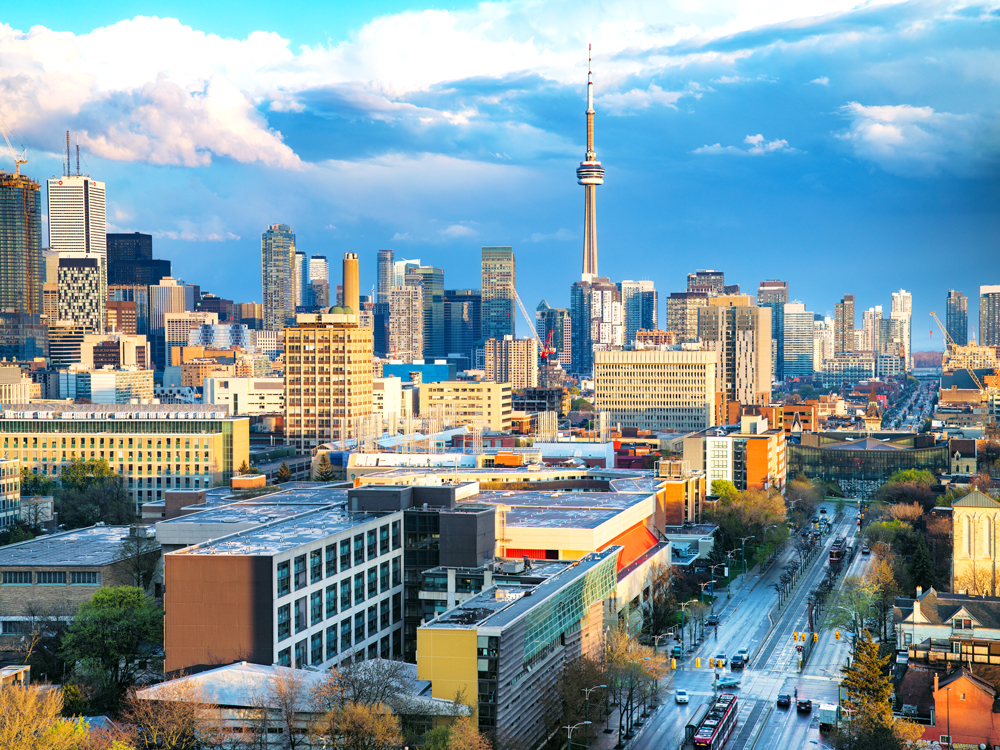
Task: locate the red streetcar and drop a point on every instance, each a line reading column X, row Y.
column 718, row 724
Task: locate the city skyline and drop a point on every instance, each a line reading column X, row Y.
column 765, row 163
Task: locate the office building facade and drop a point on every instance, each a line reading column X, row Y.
column 682, row 314
column 989, row 315
column 902, row 310
column 741, row 340
column 498, row 276
column 707, row 282
column 597, row 321
column 385, row 276
column 797, row 335
column 277, row 252
column 462, row 321
column 77, row 218
column 131, row 261
column 406, row 322
column 957, row 317
column 557, row 321
column 843, row 325
column 22, row 272
column 82, row 291
column 638, row 300
column 430, row 280
column 462, row 402
column 774, row 294
column 135, row 294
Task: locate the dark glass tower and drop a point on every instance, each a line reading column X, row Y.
column 21, row 270
column 130, row 260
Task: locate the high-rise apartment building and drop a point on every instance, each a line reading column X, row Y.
column 400, row 268
column 989, row 315
column 514, row 361
column 774, row 294
column 300, row 275
column 431, row 282
column 957, row 317
column 131, row 261
column 682, row 314
column 741, row 340
column 797, row 335
column 638, row 306
column 596, row 319
column 328, row 379
column 277, row 253
column 22, row 272
column 707, row 282
column 462, row 321
column 871, row 322
column 166, row 297
column 65, row 341
column 385, row 277
column 319, row 269
column 590, row 174
column 122, row 317
column 82, row 291
column 843, row 325
column 558, row 321
column 406, row 323
column 498, row 279
column 902, row 310
column 657, row 390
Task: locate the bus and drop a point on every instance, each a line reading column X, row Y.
column 838, row 551
column 718, row 724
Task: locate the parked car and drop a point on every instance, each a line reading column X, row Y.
column 804, row 706
column 681, row 696
column 784, row 700
column 712, row 620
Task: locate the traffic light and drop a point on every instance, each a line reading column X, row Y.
column 836, row 635
column 673, row 664
column 697, row 662
column 795, row 636
column 815, row 637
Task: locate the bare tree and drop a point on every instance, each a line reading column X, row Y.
column 375, row 681
column 140, row 557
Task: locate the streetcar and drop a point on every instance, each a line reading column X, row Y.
column 718, row 724
column 838, row 551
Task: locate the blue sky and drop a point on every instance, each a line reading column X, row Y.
column 844, row 147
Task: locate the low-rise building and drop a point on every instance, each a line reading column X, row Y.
column 751, row 455
column 246, row 396
column 10, row 491
column 460, row 402
column 108, row 385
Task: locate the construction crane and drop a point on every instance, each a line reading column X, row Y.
column 548, row 343
column 531, row 323
column 19, row 158
column 950, row 346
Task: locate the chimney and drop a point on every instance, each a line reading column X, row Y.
column 351, row 294
column 935, row 682
column 920, row 591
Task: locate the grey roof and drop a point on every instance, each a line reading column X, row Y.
column 939, row 607
column 975, row 499
column 561, row 509
column 868, row 444
column 246, row 512
column 91, row 547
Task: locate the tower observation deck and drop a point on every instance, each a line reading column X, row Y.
column 590, row 174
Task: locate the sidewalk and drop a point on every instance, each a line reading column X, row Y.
column 609, row 741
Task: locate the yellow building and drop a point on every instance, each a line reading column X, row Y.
column 976, row 519
column 461, row 402
column 154, row 447
column 514, row 361
column 328, row 378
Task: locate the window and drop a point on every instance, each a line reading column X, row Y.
column 285, row 657
column 331, row 601
column 51, row 577
column 316, row 649
column 359, row 549
column 345, row 634
column 372, row 547
column 315, row 566
column 85, row 578
column 345, row 554
column 284, row 622
column 300, row 572
column 331, row 560
column 301, row 623
column 383, row 540
column 397, row 607
column 15, row 627
column 372, row 650
column 359, row 588
column 372, row 621
column 315, row 607
column 359, row 627
column 331, row 641
column 345, row 594
column 383, row 611
column 372, row 582
column 384, row 645
column 963, row 624
column 383, row 577
column 395, row 535
column 17, row 577
column 300, row 654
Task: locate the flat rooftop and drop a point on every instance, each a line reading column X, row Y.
column 291, row 493
column 63, row 410
column 520, row 471
column 93, row 546
column 487, row 610
column 561, row 509
column 281, row 536
column 246, row 512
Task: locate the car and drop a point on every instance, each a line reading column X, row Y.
column 822, row 511
column 737, row 662
column 784, row 700
column 866, row 550
column 744, row 652
column 815, row 519
column 720, row 657
column 712, row 620
column 729, row 682
column 681, row 696
column 804, row 706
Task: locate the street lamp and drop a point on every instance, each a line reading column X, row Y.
column 684, row 606
column 703, row 585
column 586, row 699
column 569, row 734
column 743, row 548
column 711, row 591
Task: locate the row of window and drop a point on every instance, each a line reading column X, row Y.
column 51, row 578
column 324, row 563
column 379, row 618
column 310, row 651
column 13, row 442
column 316, row 612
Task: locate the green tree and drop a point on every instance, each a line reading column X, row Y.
column 15, row 533
column 917, row 476
column 581, row 404
column 922, row 567
column 35, row 485
column 246, row 468
column 111, row 640
column 105, row 500
column 284, row 474
column 724, row 488
column 81, row 473
column 140, row 558
column 324, row 470
column 868, row 685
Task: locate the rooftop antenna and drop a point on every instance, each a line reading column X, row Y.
column 68, row 172
column 78, row 155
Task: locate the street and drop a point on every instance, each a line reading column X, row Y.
column 773, row 665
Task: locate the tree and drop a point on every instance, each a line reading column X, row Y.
column 896, row 493
column 908, row 512
column 173, row 720
column 245, row 468
column 987, row 455
column 284, row 705
column 581, row 404
column 359, row 726
column 140, row 557
column 868, row 685
column 465, row 735
column 111, row 639
column 30, row 718
column 724, row 489
column 922, row 567
column 102, row 500
column 566, row 705
column 15, row 533
column 284, row 474
column 916, row 476
column 376, row 681
column 660, row 608
column 324, row 470
column 35, row 485
column 975, row 580
column 80, row 473
column 881, row 579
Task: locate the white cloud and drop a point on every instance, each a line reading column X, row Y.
column 919, row 141
column 458, row 230
column 759, row 146
column 560, row 235
column 400, row 236
column 824, row 81
column 189, row 231
column 630, row 102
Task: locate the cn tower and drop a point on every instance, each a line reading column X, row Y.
column 590, row 174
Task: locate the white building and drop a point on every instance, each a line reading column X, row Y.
column 107, row 385
column 902, row 310
column 822, row 342
column 165, row 297
column 77, row 220
column 387, row 397
column 245, row 396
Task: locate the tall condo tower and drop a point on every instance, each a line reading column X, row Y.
column 590, row 174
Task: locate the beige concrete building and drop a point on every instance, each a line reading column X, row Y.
column 656, row 390
column 387, row 398
column 741, row 339
column 10, row 491
column 460, row 402
column 406, row 323
column 328, row 378
column 514, row 361
column 976, row 521
column 246, row 395
column 154, row 447
column 177, row 326
column 14, row 387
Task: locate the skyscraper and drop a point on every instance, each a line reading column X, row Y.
column 82, row 294
column 498, row 279
column 431, row 282
column 989, row 315
column 957, row 315
column 22, row 272
column 514, row 361
column 131, row 261
column 556, row 320
column 590, row 174
column 843, row 325
column 902, row 310
column 385, row 275
column 596, row 319
column 797, row 350
column 300, row 272
column 708, row 282
column 682, row 314
column 406, row 322
column 871, row 329
column 462, row 320
column 277, row 255
column 822, row 341
column 635, row 295
column 741, row 339
column 774, row 294
column 137, row 294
